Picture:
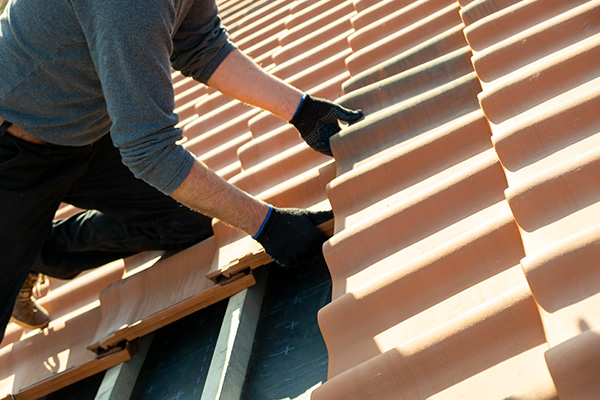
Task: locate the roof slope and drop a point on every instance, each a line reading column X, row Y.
column 462, row 270
column 466, row 203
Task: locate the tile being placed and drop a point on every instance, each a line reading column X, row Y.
column 405, row 120
column 277, row 165
column 541, row 103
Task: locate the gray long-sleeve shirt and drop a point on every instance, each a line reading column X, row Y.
column 73, row 70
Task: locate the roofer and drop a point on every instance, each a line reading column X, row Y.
column 87, row 117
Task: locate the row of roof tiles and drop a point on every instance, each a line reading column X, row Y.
column 464, row 272
column 466, row 221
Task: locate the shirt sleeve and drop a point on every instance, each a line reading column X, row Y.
column 201, row 43
column 130, row 45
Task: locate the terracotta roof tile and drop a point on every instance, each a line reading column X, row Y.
column 406, row 37
column 139, row 304
column 324, row 14
column 535, row 41
column 259, row 21
column 320, row 35
column 472, row 356
column 379, row 21
column 551, row 191
column 473, row 10
column 389, row 307
column 41, row 363
column 444, row 43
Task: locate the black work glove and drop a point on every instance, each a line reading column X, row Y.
column 290, row 237
column 317, row 121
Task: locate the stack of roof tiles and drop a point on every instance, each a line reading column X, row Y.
column 467, row 213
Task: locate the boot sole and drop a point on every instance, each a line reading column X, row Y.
column 26, row 325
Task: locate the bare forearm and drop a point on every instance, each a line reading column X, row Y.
column 209, row 194
column 204, row 191
column 240, row 78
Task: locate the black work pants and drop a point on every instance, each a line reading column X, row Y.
column 124, row 214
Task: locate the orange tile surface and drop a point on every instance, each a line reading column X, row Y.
column 466, row 235
column 542, row 99
column 139, row 303
column 35, row 363
column 429, row 249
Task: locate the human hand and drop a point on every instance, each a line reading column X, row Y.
column 290, row 237
column 317, row 120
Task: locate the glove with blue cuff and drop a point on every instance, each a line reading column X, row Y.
column 290, row 237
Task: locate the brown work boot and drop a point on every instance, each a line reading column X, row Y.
column 27, row 313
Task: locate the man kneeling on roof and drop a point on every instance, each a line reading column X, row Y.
column 86, row 116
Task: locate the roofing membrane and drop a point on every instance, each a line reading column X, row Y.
column 466, row 203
